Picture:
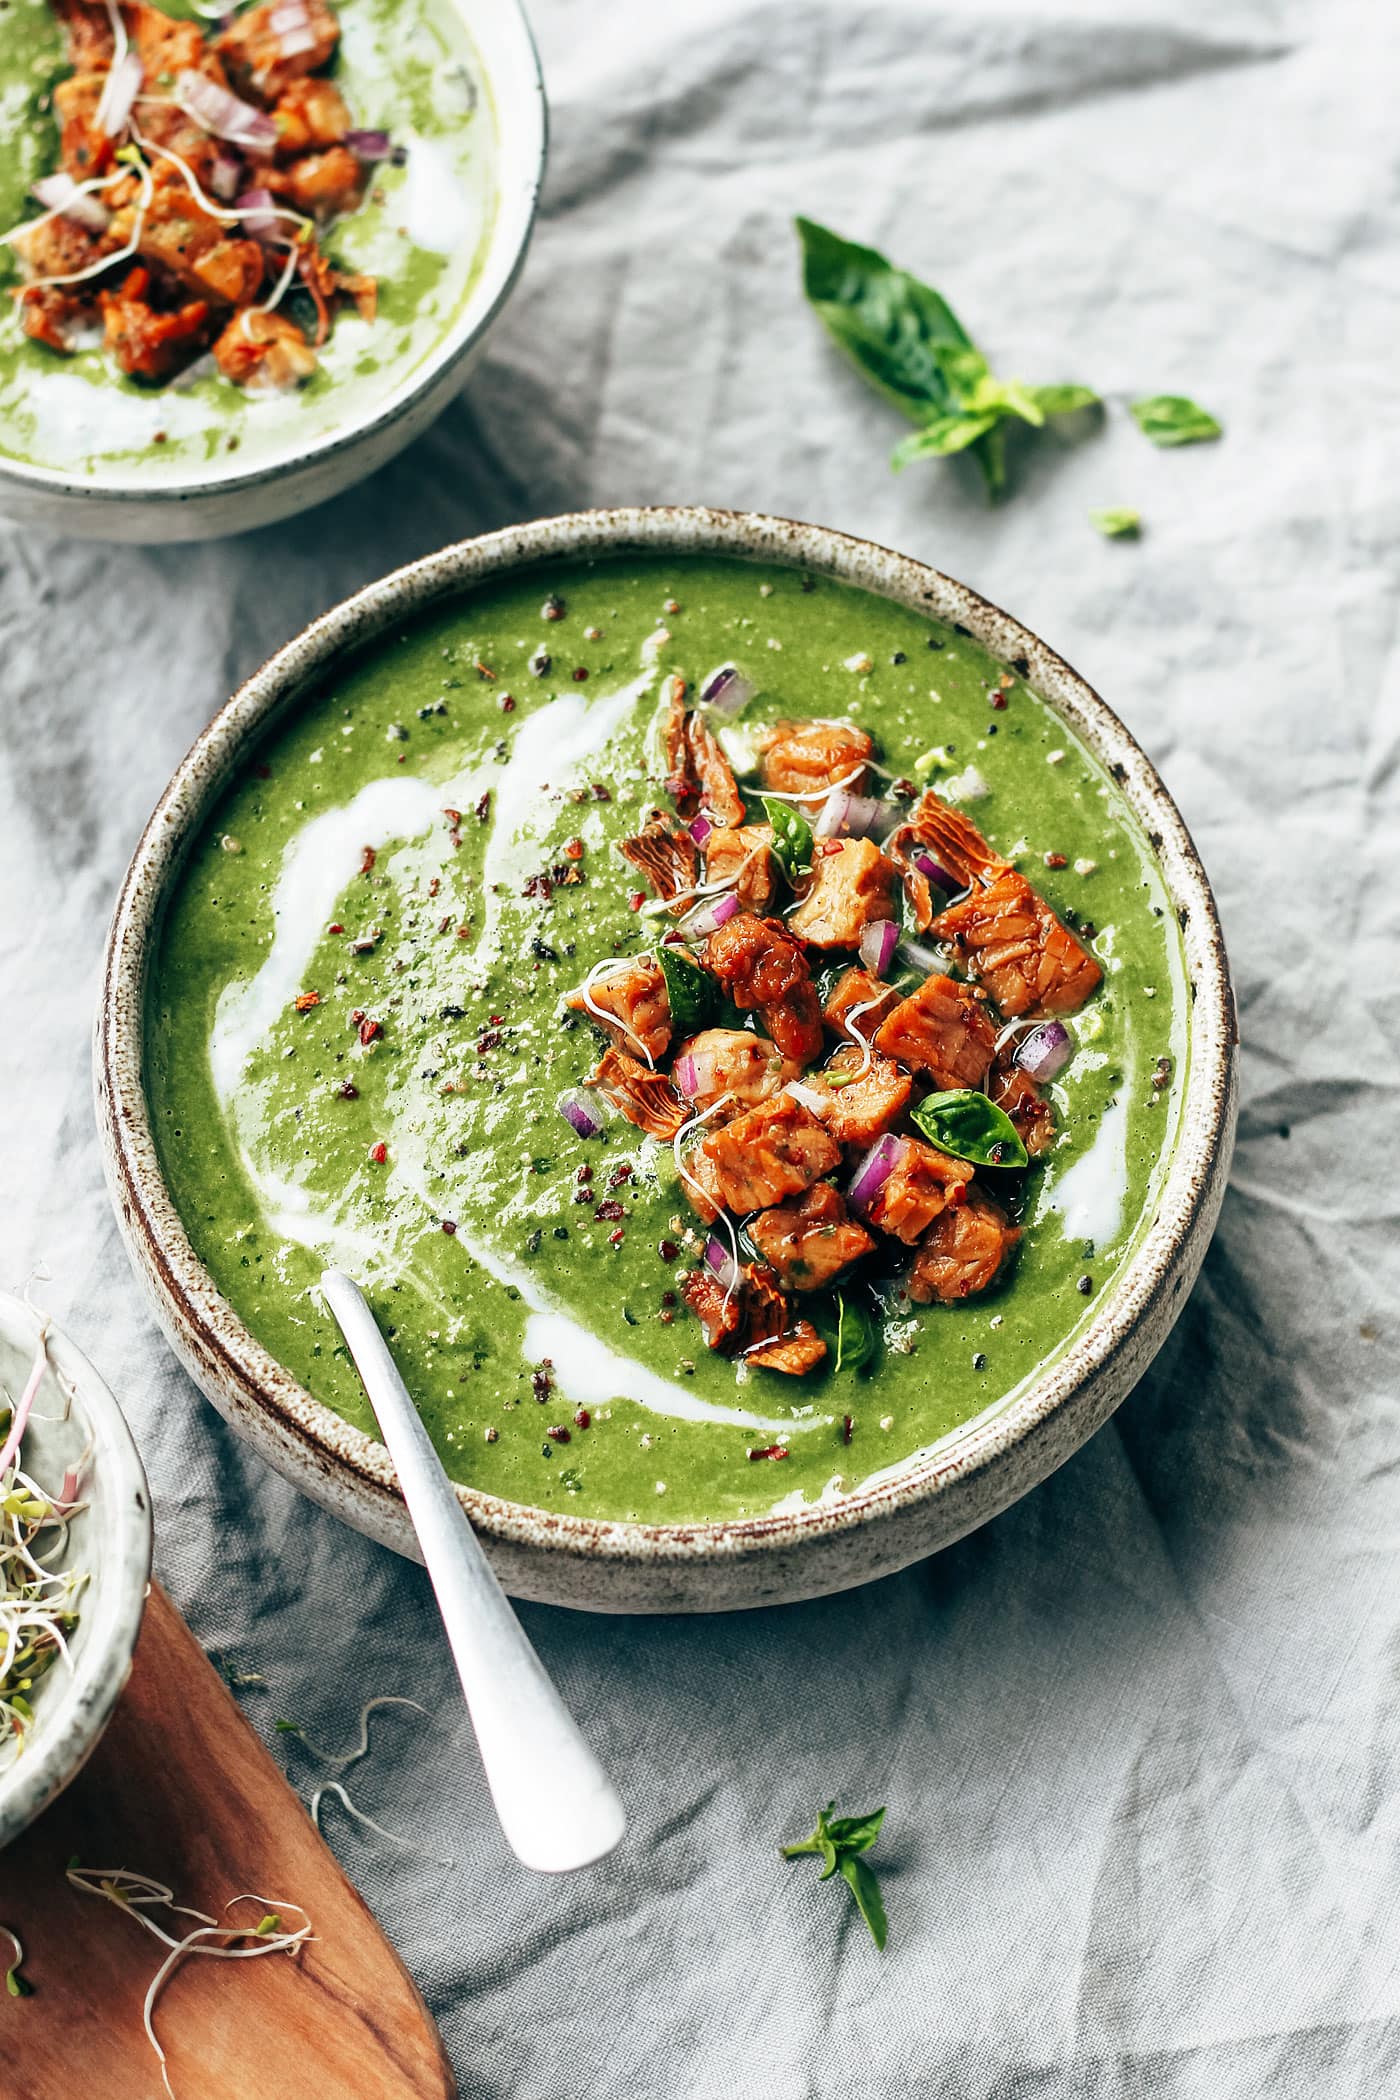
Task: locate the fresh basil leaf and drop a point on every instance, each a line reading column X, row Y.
column 941, row 438
column 856, row 1833
column 1063, row 400
column 971, row 1127
column 792, row 837
column 895, row 330
column 691, row 992
column 1117, row 524
column 1175, row 419
column 855, row 1335
column 866, row 1890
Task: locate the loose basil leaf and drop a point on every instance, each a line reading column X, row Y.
column 855, row 1335
column 1175, row 419
column 691, row 992
column 1063, row 400
column 970, row 1127
column 866, row 1890
column 1117, row 524
column 905, row 339
column 792, row 837
column 840, row 1842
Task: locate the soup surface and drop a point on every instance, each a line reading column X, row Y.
column 358, row 1037
column 405, row 68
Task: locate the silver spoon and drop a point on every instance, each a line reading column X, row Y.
column 557, row 1806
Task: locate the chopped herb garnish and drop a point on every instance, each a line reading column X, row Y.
column 792, row 837
column 1175, row 419
column 841, row 1841
column 855, row 1334
column 971, row 1127
column 905, row 339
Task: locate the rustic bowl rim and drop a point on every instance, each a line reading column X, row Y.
column 323, row 1453
column 477, row 315
column 73, row 1708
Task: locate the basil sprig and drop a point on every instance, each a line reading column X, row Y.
column 792, row 837
column 841, row 1841
column 691, row 993
column 970, row 1127
column 905, row 339
column 1175, row 419
column 855, row 1334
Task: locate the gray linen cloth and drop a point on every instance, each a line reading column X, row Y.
column 1139, row 1736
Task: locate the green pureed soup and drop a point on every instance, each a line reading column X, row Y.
column 357, row 1038
column 405, row 67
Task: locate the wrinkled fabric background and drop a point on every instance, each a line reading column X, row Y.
column 1139, row 1736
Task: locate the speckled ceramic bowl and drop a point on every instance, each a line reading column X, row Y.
column 76, row 1422
column 222, row 497
column 927, row 1503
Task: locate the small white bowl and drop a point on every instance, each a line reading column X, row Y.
column 77, row 1421
column 217, row 498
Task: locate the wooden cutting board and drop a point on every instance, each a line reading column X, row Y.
column 181, row 1788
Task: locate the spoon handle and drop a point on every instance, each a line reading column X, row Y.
column 557, row 1806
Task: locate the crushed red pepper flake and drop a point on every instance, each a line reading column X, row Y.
column 348, row 1090
column 507, row 703
column 306, row 1000
column 379, row 1153
column 369, row 1030
column 583, row 1419
column 580, row 672
column 997, row 700
column 1056, row 860
column 574, row 849
column 847, row 1428
column 636, row 899
column 484, row 670
column 768, row 1451
column 435, row 885
column 616, row 1237
column 335, row 927
column 483, row 807
column 542, row 1380
column 609, row 1210
column 368, row 857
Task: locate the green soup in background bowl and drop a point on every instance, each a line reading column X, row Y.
column 443, row 229
column 332, row 1030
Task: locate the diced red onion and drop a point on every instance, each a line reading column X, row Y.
column 221, row 112
column 124, row 77
column 60, row 193
column 875, row 1170
column 224, row 177
column 713, row 915
column 936, row 873
column 258, row 211
column 726, row 690
column 369, row 145
column 917, row 957
column 1045, row 1051
column 700, row 830
column 857, row 816
column 878, row 942
column 721, row 1261
column 583, row 1115
column 686, row 1077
